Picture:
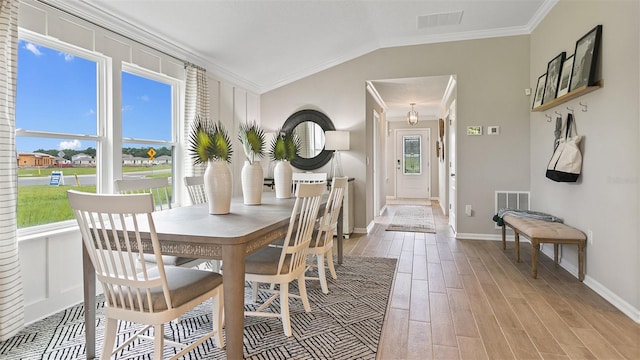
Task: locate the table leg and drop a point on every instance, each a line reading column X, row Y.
column 555, row 253
column 580, row 262
column 340, row 234
column 504, row 237
column 516, row 239
column 89, row 282
column 233, row 281
column 535, row 248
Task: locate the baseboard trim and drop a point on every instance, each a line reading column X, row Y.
column 547, row 249
column 361, row 230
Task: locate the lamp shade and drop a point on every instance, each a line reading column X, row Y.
column 336, row 140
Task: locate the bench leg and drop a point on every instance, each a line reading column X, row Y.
column 534, row 259
column 517, row 245
column 504, row 237
column 580, row 262
column 555, row 254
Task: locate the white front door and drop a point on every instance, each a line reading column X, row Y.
column 452, row 165
column 413, row 173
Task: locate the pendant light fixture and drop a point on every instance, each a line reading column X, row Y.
column 412, row 116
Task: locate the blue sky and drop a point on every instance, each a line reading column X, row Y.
column 57, row 92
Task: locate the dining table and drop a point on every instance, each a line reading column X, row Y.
column 190, row 231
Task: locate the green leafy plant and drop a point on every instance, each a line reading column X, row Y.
column 284, row 146
column 209, row 141
column 253, row 141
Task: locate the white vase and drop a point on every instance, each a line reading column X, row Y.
column 282, row 178
column 252, row 183
column 217, row 185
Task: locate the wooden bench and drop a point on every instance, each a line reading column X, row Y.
column 540, row 231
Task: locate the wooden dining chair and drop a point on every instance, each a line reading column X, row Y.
column 195, row 188
column 160, row 189
column 321, row 246
column 110, row 227
column 306, row 178
column 282, row 265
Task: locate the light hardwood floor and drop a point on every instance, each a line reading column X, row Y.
column 465, row 299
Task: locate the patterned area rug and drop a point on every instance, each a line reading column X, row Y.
column 413, row 218
column 344, row 324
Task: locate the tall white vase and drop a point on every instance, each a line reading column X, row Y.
column 252, row 183
column 282, row 177
column 217, row 185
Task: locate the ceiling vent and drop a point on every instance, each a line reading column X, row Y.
column 442, row 19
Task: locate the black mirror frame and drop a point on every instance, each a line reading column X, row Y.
column 324, row 122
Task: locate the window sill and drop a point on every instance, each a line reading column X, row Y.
column 41, row 231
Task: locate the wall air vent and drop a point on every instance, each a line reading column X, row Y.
column 442, row 19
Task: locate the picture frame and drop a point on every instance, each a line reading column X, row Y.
column 537, row 96
column 585, row 59
column 553, row 77
column 565, row 76
column 474, row 130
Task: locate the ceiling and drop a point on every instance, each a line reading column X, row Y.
column 262, row 45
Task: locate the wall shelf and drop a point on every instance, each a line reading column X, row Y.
column 570, row 96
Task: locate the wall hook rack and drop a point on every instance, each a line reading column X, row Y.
column 548, row 117
column 570, row 109
column 559, row 114
column 584, row 106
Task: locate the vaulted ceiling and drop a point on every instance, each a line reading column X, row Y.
column 262, row 45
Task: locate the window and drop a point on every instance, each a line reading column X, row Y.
column 411, row 155
column 147, row 124
column 57, row 122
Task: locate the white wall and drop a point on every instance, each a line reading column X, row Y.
column 51, row 261
column 605, row 199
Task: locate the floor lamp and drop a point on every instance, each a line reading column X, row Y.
column 336, row 141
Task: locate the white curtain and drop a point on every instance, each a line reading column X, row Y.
column 11, row 292
column 196, row 103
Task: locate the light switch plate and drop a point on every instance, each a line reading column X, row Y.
column 493, row 130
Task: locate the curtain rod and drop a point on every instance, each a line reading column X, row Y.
column 186, row 63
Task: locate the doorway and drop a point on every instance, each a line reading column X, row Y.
column 413, row 171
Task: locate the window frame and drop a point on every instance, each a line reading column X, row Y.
column 404, row 156
column 103, row 85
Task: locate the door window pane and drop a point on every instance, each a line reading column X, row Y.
column 411, row 155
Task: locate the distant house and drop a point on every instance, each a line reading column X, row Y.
column 82, row 159
column 35, row 159
column 162, row 160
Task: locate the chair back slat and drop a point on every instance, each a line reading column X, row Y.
column 111, row 232
column 195, row 188
column 329, row 221
column 158, row 187
column 303, row 219
column 306, row 178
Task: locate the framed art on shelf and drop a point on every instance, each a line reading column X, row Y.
column 553, row 78
column 537, row 96
column 585, row 59
column 565, row 76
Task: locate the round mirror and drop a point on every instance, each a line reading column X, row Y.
column 309, row 126
column 311, row 138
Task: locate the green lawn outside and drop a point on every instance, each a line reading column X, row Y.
column 46, row 172
column 44, row 204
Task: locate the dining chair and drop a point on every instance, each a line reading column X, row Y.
column 305, row 178
column 110, row 226
column 159, row 188
column 321, row 246
column 195, row 188
column 282, row 265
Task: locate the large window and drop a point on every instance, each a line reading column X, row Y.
column 57, row 117
column 64, row 122
column 147, row 124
